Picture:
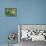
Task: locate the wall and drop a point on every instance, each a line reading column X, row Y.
column 28, row 12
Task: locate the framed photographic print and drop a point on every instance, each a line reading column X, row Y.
column 10, row 11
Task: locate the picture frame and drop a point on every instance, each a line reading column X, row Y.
column 10, row 11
